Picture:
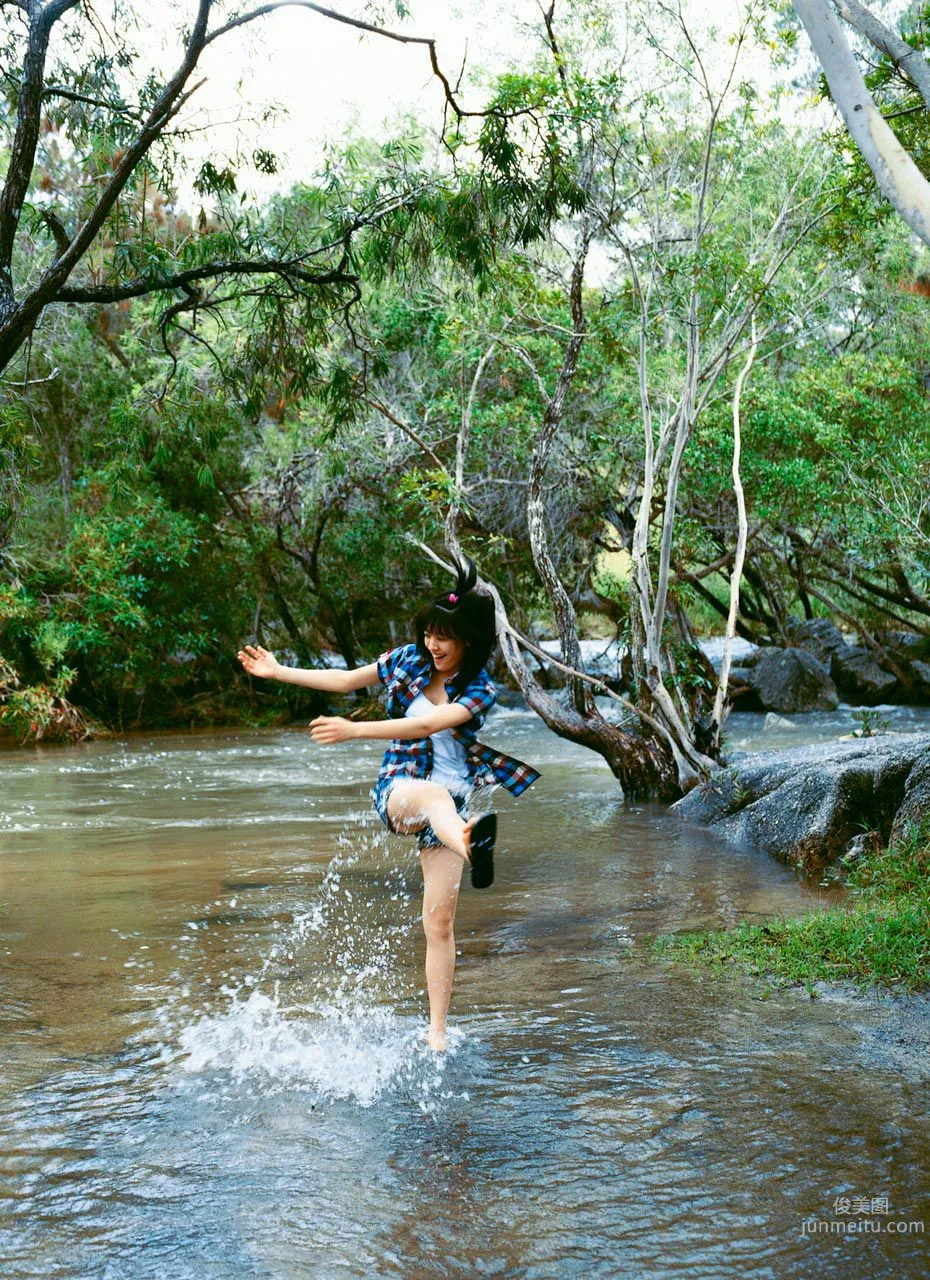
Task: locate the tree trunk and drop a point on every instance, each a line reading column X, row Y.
column 898, row 177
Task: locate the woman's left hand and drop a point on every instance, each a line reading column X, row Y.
column 326, row 729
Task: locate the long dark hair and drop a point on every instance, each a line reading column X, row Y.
column 464, row 613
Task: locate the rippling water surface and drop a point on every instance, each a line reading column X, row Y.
column 213, row 1059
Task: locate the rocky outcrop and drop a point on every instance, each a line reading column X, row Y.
column 805, row 805
column 818, row 637
column 743, row 653
column 915, row 807
column 896, row 672
column 860, row 679
column 792, row 680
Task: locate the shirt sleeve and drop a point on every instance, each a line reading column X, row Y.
column 388, row 663
column 479, row 697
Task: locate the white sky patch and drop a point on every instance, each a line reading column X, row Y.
column 293, row 80
column 326, row 78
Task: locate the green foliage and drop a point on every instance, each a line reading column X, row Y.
column 40, row 710
column 211, row 464
column 869, row 723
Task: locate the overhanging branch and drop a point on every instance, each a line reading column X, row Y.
column 207, row 271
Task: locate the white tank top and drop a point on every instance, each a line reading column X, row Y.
column 449, row 765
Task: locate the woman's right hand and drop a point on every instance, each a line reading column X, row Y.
column 258, row 661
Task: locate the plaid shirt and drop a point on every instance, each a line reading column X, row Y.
column 404, row 672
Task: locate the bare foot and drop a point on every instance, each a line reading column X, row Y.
column 436, row 1039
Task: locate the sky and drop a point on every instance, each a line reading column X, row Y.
column 327, row 77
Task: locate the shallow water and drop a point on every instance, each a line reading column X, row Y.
column 212, row 1026
column 768, row 731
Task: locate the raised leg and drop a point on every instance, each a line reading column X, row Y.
column 414, row 802
column 442, row 874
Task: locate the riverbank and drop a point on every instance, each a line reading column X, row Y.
column 877, row 941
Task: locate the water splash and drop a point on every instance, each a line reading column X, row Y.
column 323, row 1011
column 335, row 1052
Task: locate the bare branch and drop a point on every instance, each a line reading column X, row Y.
column 408, row 431
column 910, row 61
column 31, row 382
column 56, row 226
column 427, row 41
column 60, row 91
column 741, row 540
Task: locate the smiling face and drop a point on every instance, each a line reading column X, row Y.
column 446, row 651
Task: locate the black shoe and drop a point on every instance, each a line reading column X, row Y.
column 483, row 835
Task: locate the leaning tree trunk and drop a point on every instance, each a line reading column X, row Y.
column 643, row 762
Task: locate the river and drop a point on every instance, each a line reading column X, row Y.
column 212, row 1020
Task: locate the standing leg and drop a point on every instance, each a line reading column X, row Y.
column 442, row 873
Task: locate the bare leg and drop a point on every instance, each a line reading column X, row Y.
column 442, row 873
column 414, row 802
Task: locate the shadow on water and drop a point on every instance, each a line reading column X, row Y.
column 214, row 1061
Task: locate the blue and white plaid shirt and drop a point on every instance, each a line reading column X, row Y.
column 404, row 672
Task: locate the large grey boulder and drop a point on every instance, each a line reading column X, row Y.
column 911, row 644
column 920, row 674
column 818, row 637
column 805, row 805
column 859, row 678
column 791, row 680
column 915, row 807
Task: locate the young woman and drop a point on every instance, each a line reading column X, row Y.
column 439, row 694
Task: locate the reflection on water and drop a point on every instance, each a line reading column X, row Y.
column 214, row 1061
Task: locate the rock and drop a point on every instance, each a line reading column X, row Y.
column 738, row 675
column 742, row 652
column 818, row 637
column 740, row 692
column 604, row 658
column 859, row 678
column 790, row 680
column 804, row 805
column 920, row 674
column 538, row 630
column 915, row 807
column 911, row 643
column 774, row 721
column 910, row 651
column 511, row 698
column 611, row 710
column 866, row 842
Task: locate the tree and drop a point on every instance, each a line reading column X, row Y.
column 125, row 135
column 897, row 174
column 691, row 287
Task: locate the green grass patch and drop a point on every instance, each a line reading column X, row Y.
column 879, row 936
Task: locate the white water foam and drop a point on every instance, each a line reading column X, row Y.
column 336, row 1036
column 336, row 1052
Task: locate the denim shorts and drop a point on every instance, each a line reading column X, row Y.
column 426, row 837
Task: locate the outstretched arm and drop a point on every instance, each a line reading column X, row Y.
column 328, row 729
column 259, row 662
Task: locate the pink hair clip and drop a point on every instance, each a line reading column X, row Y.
column 453, row 598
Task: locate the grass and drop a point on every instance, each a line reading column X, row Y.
column 879, row 937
